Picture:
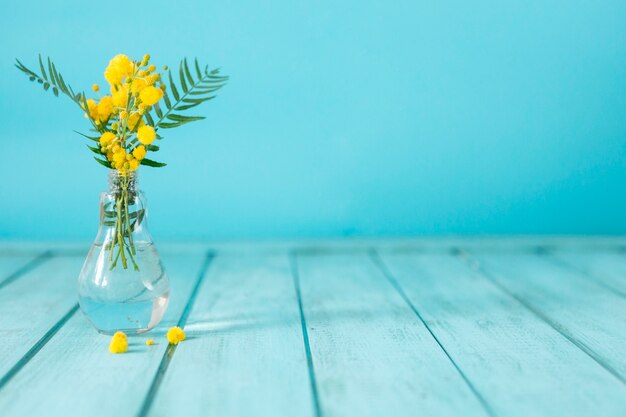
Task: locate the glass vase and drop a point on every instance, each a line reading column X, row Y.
column 123, row 285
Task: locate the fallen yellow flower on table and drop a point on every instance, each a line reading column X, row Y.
column 118, row 344
column 149, row 342
column 175, row 335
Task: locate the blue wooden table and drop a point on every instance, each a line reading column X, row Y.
column 448, row 327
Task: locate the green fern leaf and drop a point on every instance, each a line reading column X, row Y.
column 173, row 87
column 198, row 72
column 157, row 110
column 166, row 125
column 101, row 162
column 187, row 73
column 43, row 71
column 186, row 106
column 95, row 150
column 166, row 99
column 198, row 100
column 183, row 84
column 52, row 79
column 151, row 163
column 184, row 119
column 94, row 138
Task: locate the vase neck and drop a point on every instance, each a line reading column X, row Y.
column 122, row 181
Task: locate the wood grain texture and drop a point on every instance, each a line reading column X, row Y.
column 75, row 375
column 589, row 315
column 32, row 305
column 607, row 268
column 332, row 330
column 13, row 266
column 520, row 364
column 372, row 355
column 244, row 355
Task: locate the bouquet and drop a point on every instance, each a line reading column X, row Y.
column 126, row 122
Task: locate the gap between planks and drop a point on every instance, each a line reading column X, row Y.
column 377, row 260
column 28, row 266
column 293, row 263
column 473, row 263
column 37, row 347
column 171, row 349
column 568, row 265
column 23, row 361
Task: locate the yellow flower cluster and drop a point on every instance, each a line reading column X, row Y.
column 150, row 95
column 119, row 343
column 117, row 154
column 120, row 115
column 146, row 135
column 120, row 68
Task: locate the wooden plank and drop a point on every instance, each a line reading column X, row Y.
column 13, row 266
column 607, row 268
column 588, row 315
column 245, row 354
column 520, row 364
column 31, row 306
column 75, row 373
column 371, row 354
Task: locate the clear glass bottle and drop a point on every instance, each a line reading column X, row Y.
column 123, row 285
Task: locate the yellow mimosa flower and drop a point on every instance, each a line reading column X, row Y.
column 152, row 78
column 107, row 138
column 119, row 68
column 93, row 108
column 175, row 335
column 119, row 157
column 120, row 96
column 150, row 95
column 139, row 152
column 95, row 87
column 138, row 85
column 133, row 164
column 119, row 343
column 146, row 135
column 105, row 106
column 134, row 120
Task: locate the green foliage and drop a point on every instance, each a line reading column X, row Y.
column 52, row 78
column 191, row 91
column 195, row 91
column 151, row 163
column 101, row 162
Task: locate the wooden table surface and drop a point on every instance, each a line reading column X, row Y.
column 413, row 327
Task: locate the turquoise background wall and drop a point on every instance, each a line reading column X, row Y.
column 342, row 118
